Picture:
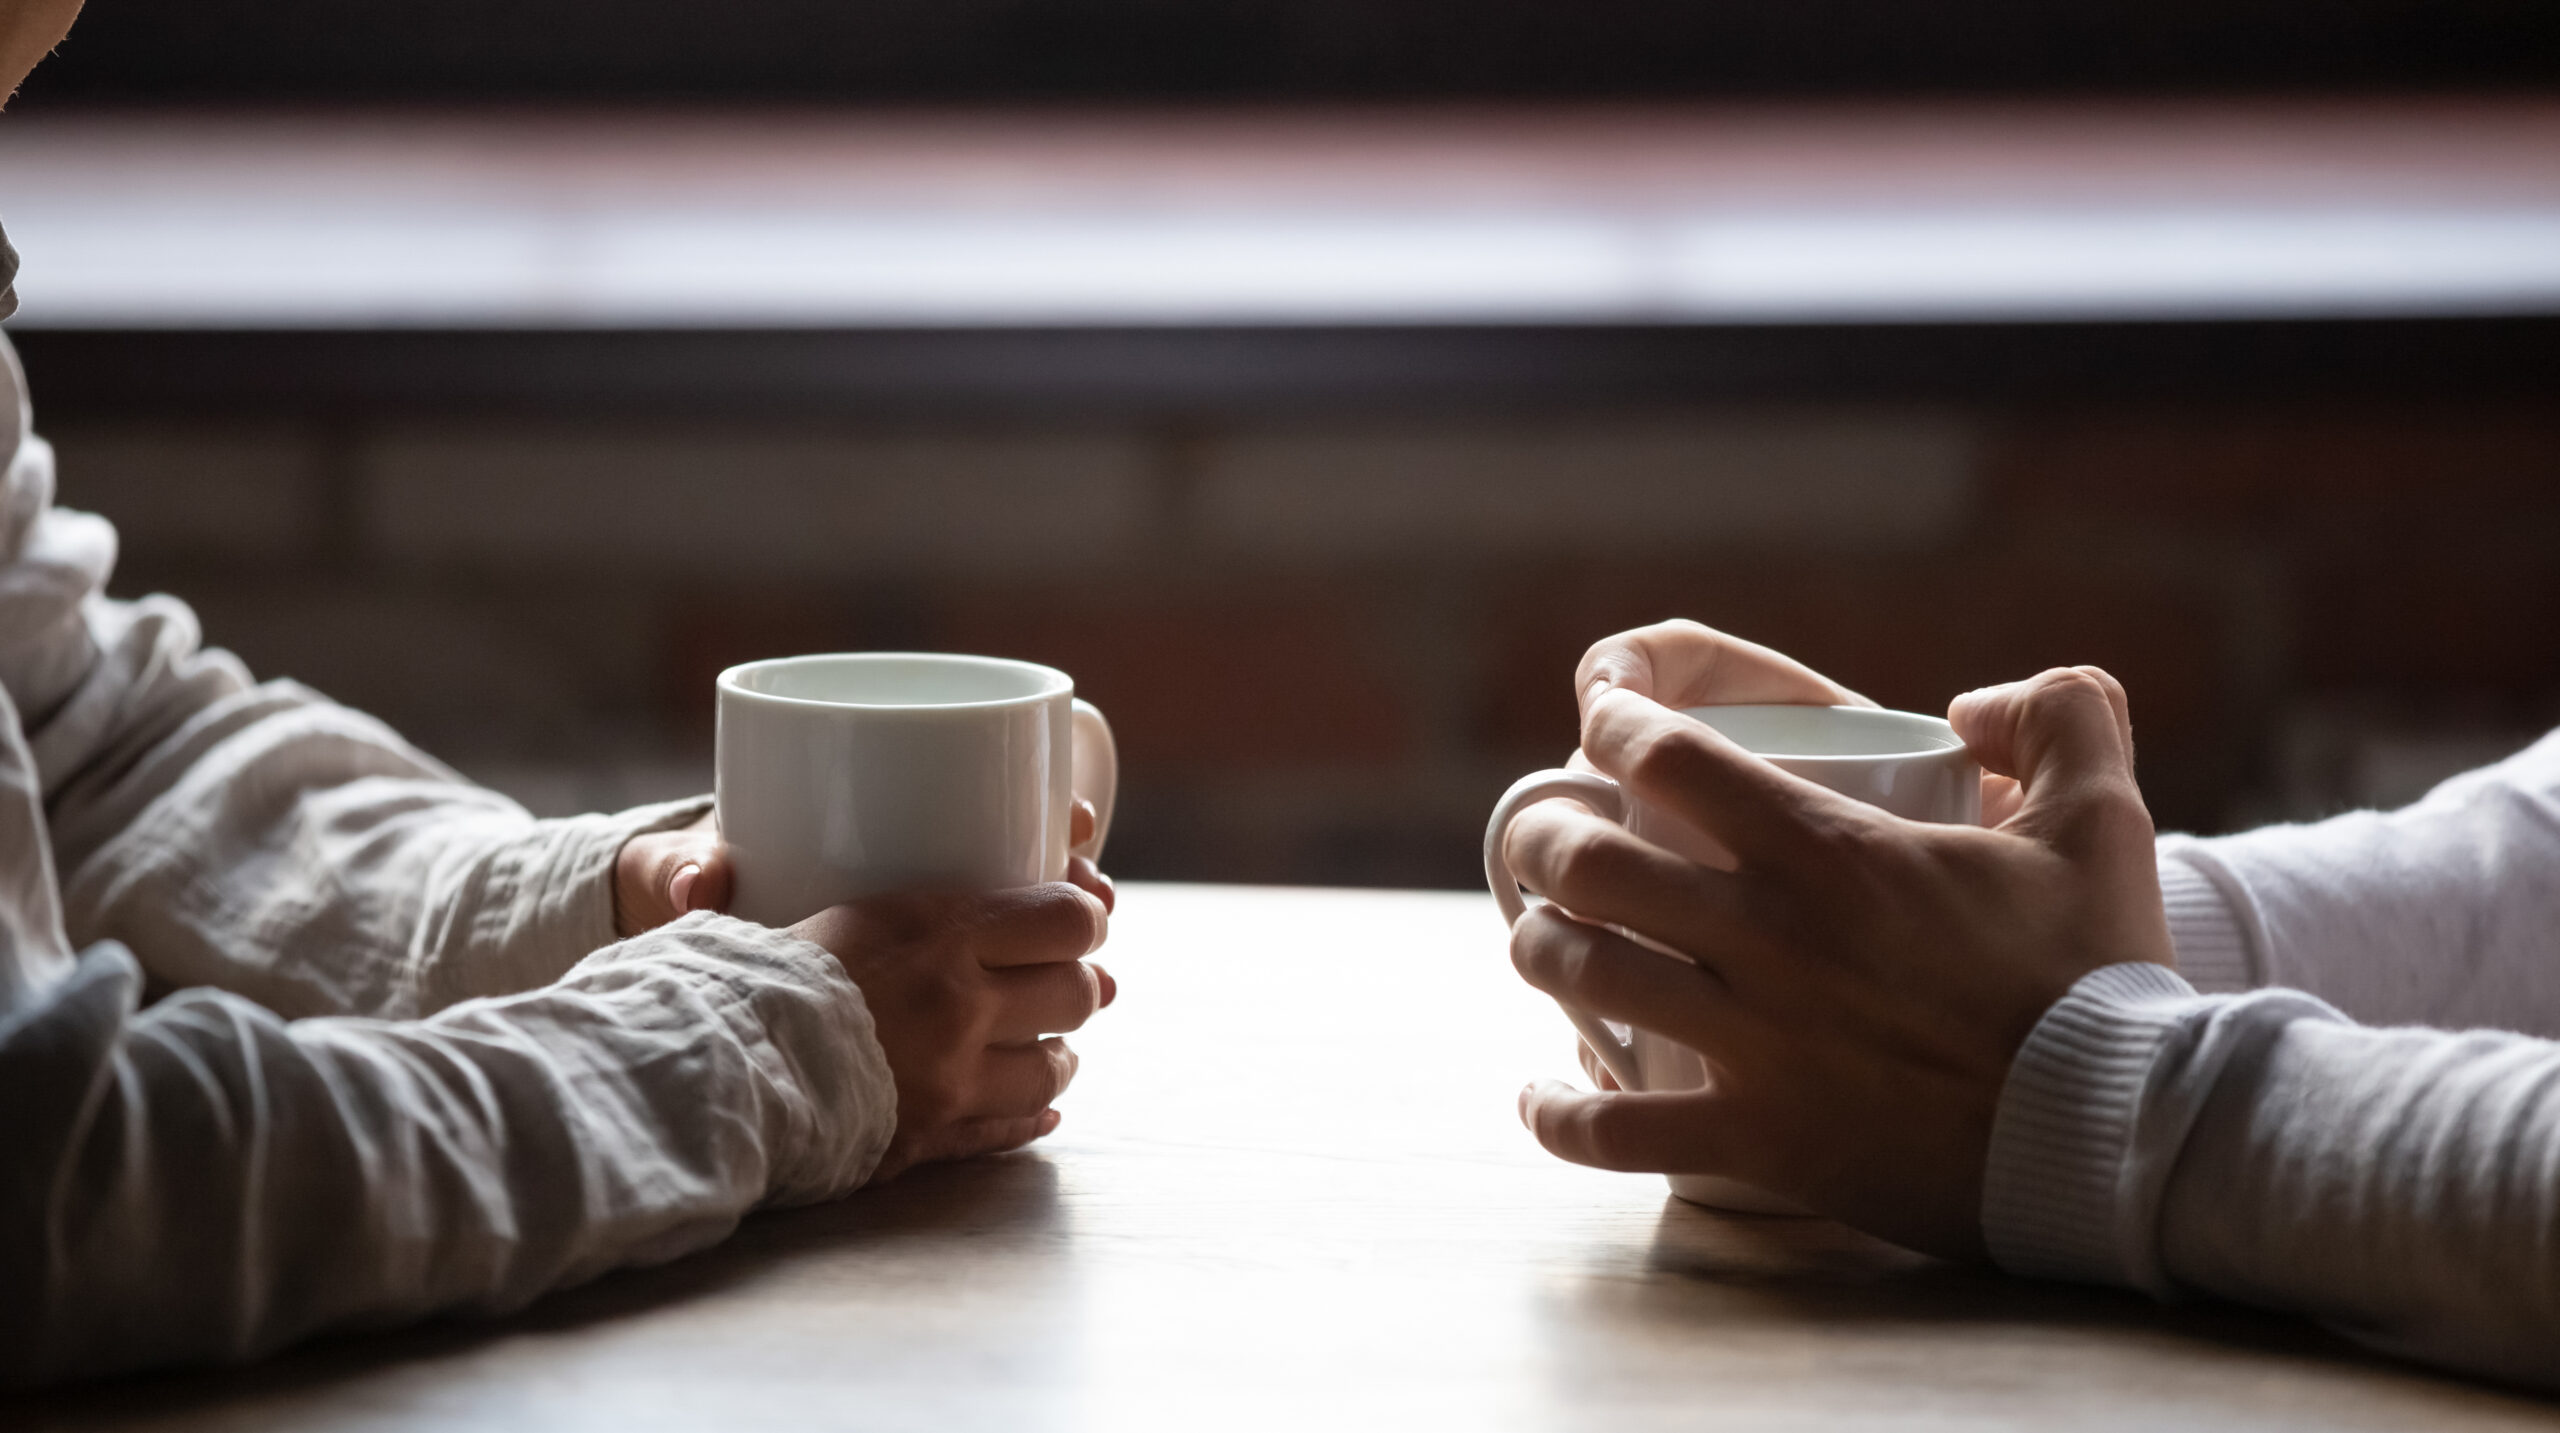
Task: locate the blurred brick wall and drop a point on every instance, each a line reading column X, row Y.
column 1328, row 644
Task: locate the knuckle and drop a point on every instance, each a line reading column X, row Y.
column 1072, row 1011
column 1090, row 920
column 2123, row 821
column 1594, row 859
column 1849, row 839
column 2061, row 690
column 1666, row 759
column 2108, row 686
column 1052, row 916
column 932, row 1102
column 1673, row 633
column 1553, row 950
column 1602, row 1140
column 947, row 999
column 1533, row 943
column 904, row 917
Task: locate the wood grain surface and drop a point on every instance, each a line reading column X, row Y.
column 1290, row 1192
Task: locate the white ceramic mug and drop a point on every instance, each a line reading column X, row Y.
column 1908, row 764
column 854, row 773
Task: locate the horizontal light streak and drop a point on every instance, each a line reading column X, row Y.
column 95, row 260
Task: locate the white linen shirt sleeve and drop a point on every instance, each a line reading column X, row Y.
column 486, row 1095
column 2401, row 1184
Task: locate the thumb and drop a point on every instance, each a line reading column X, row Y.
column 663, row 874
column 2064, row 735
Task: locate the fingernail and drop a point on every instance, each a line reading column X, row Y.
column 1110, row 987
column 680, row 886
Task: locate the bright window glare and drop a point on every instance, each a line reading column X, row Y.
column 828, row 223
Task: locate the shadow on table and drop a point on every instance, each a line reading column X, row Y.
column 1766, row 1269
column 995, row 1205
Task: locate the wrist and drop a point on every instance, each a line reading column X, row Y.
column 2063, row 1188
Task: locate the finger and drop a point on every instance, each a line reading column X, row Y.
column 1684, row 664
column 1669, row 1133
column 2065, row 737
column 1034, row 925
column 1693, row 771
column 1051, row 999
column 968, row 1139
column 2117, row 700
column 1592, row 1067
column 2000, row 797
column 1595, row 869
column 660, row 875
column 713, row 878
column 1088, row 877
column 1020, row 1080
column 1609, row 975
column 1080, row 823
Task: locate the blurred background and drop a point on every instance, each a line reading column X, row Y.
column 1314, row 380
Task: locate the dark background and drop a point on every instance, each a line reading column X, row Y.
column 1021, row 50
column 2324, row 554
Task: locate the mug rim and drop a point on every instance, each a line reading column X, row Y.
column 1952, row 745
column 1053, row 683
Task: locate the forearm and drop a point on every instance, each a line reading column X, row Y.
column 2441, row 913
column 259, row 838
column 301, row 854
column 207, row 1182
column 2402, row 1185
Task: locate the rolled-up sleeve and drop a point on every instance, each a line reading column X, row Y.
column 261, row 838
column 302, row 854
column 486, row 1094
column 205, row 1181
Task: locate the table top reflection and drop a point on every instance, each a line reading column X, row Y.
column 1289, row 1190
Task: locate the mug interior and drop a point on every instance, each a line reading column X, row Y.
column 1817, row 732
column 897, row 679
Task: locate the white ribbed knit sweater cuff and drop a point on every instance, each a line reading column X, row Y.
column 2067, row 1192
column 2213, row 948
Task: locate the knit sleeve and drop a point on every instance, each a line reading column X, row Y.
column 2440, row 913
column 2401, row 1185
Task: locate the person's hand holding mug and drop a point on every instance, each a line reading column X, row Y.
column 1681, row 663
column 660, row 875
column 1860, row 981
column 969, row 992
column 933, row 822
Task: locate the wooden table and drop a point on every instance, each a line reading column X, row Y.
column 1290, row 1192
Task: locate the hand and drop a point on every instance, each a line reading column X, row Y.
column 1681, row 663
column 661, row 875
column 962, row 988
column 1686, row 664
column 1861, row 982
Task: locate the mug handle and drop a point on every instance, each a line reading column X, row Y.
column 1602, row 796
column 1097, row 772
